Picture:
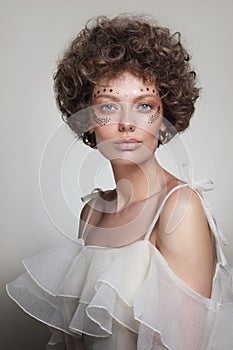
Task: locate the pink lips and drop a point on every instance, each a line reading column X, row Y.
column 127, row 144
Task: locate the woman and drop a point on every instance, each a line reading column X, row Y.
column 147, row 271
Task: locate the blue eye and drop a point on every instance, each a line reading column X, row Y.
column 108, row 107
column 144, row 107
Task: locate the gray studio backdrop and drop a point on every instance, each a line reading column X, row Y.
column 33, row 34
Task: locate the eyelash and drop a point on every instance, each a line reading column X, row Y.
column 143, row 109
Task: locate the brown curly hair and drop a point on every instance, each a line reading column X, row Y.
column 107, row 47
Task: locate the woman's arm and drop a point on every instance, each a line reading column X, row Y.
column 185, row 240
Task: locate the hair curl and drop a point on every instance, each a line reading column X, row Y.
column 107, row 47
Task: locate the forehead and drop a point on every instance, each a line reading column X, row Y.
column 125, row 80
column 125, row 87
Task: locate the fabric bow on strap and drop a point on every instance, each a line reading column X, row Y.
column 202, row 185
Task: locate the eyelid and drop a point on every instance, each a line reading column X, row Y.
column 106, row 108
column 144, row 104
column 109, row 104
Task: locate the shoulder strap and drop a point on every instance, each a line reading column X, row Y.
column 198, row 187
column 92, row 196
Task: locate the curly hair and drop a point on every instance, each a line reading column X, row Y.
column 108, row 47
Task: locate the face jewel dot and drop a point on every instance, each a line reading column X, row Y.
column 153, row 91
column 94, row 95
column 147, row 89
column 110, row 90
column 104, row 90
column 98, row 91
column 141, row 89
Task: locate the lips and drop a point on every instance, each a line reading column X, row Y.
column 127, row 144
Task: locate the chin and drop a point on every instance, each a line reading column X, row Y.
column 131, row 160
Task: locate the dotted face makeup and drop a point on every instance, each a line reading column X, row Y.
column 150, row 119
column 123, row 93
column 101, row 121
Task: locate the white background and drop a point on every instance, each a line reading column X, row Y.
column 33, row 35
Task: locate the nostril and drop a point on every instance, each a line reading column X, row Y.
column 126, row 127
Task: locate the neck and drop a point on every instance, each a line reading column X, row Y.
column 137, row 182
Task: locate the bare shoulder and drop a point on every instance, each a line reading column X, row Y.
column 185, row 239
column 97, row 207
column 182, row 205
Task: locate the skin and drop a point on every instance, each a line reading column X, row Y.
column 182, row 233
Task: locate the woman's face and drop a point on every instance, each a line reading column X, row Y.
column 126, row 116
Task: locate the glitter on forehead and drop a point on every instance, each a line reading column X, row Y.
column 124, row 93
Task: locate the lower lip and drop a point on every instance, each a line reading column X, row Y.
column 127, row 146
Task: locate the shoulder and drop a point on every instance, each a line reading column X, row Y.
column 96, row 206
column 93, row 211
column 185, row 239
column 183, row 205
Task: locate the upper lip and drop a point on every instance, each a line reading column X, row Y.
column 127, row 140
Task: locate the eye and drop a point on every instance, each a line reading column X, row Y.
column 105, row 109
column 144, row 107
column 108, row 107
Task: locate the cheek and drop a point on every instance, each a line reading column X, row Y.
column 101, row 121
column 104, row 133
column 152, row 126
column 151, row 139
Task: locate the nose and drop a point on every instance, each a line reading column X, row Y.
column 125, row 123
column 126, row 127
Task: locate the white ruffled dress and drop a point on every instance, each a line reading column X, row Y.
column 127, row 298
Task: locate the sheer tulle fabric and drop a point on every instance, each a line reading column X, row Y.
column 124, row 298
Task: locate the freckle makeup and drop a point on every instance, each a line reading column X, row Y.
column 150, row 119
column 101, row 121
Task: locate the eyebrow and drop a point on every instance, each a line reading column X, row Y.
column 114, row 98
column 118, row 99
column 147, row 96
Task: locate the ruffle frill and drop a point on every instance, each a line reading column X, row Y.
column 88, row 290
